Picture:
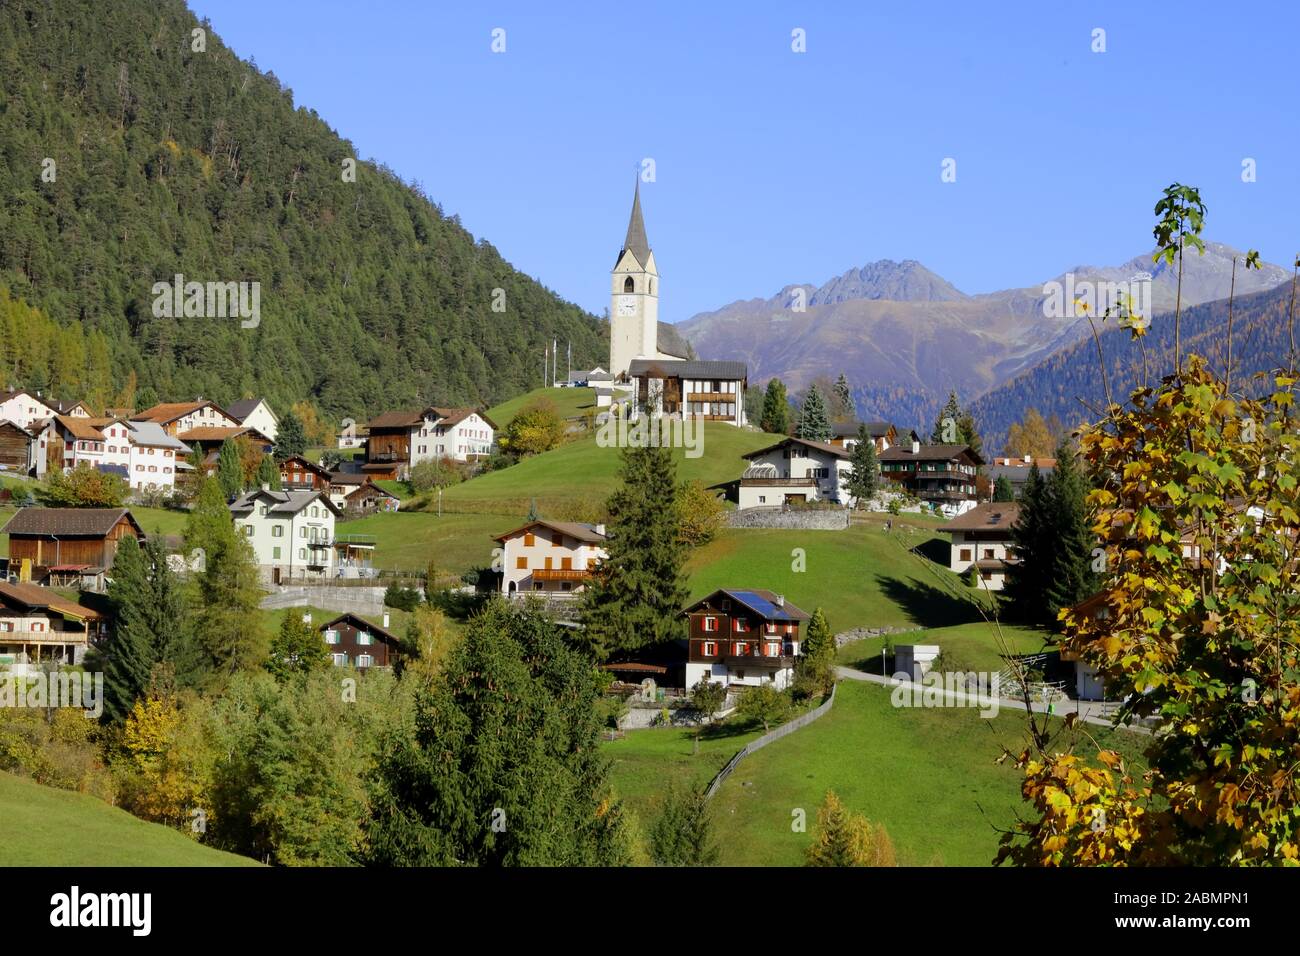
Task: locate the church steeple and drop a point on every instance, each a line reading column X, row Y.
column 636, row 242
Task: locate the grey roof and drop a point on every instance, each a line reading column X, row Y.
column 669, row 340
column 683, row 368
column 281, row 502
column 1016, row 473
column 636, row 242
column 68, row 522
column 850, row 429
column 244, row 407
column 153, row 435
column 835, row 451
column 903, row 452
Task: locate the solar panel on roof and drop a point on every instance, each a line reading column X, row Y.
column 761, row 605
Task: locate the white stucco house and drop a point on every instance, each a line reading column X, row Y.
column 291, row 532
column 982, row 539
column 550, row 558
column 255, row 413
column 796, row 470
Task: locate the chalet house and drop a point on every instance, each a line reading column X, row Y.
column 154, row 458
column 18, row 449
column 795, row 470
column 178, row 417
column 1016, row 470
column 299, row 474
column 22, row 408
column 885, row 435
column 401, row 440
column 551, row 558
column 981, row 539
column 713, row 390
column 370, row 497
column 255, row 413
column 941, row 475
column 142, row 453
column 291, row 533
column 343, row 483
column 743, row 638
column 354, row 641
column 39, row 625
column 67, row 546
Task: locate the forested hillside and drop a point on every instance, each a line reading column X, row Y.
column 1259, row 342
column 127, row 157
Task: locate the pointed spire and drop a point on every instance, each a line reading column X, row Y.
column 636, row 241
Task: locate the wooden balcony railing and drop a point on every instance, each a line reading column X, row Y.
column 561, row 574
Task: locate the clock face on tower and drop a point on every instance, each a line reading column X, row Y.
column 627, row 305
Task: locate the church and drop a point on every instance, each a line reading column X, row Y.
column 652, row 360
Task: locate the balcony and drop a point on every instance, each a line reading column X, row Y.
column 561, row 574
column 710, row 396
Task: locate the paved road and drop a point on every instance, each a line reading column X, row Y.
column 1093, row 712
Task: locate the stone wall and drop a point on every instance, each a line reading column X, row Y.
column 357, row 600
column 858, row 633
column 796, row 519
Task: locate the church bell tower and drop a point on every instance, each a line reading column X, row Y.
column 634, row 297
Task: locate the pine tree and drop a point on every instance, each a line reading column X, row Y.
column 1072, row 578
column 637, row 593
column 816, row 665
column 297, row 648
column 290, row 437
column 503, row 766
column 209, row 521
column 268, row 474
column 844, row 838
column 813, row 423
column 776, row 409
column 864, row 477
column 227, row 621
column 1002, row 490
column 682, row 834
column 1026, row 587
column 946, row 429
column 230, row 470
column 129, row 655
column 843, row 409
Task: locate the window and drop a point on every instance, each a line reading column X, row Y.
column 529, row 540
column 741, row 649
column 741, row 624
column 762, row 498
column 365, row 660
column 629, row 285
column 774, row 650
column 340, row 660
column 710, row 649
column 275, row 554
column 364, row 638
column 965, row 554
column 277, row 531
column 521, row 564
column 331, row 636
column 710, row 623
column 302, row 532
column 302, row 554
column 248, row 530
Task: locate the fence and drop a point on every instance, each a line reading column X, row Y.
column 766, row 739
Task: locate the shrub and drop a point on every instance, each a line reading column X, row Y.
column 404, row 599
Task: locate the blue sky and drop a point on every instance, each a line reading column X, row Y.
column 774, row 167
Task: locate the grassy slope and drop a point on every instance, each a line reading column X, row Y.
column 569, row 402
column 974, row 646
column 42, row 826
column 409, row 541
column 582, row 469
column 928, row 775
column 860, row 577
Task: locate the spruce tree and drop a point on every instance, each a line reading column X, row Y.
column 268, row 474
column 1072, row 578
column 297, row 649
column 813, row 422
column 1026, row 586
column 129, row 654
column 776, row 409
column 844, row 409
column 864, row 477
column 682, row 834
column 1002, row 490
column 230, row 471
column 290, row 437
column 636, row 595
column 947, row 426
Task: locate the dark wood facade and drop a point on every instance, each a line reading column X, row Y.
column 362, row 643
column 722, row 629
column 56, row 548
column 15, row 444
column 299, row 474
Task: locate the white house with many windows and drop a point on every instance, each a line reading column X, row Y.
column 255, row 413
column 291, row 532
column 794, row 471
column 550, row 558
column 142, row 453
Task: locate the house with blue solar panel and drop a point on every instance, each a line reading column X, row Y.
column 743, row 638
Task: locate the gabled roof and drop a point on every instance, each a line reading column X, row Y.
column 835, row 451
column 402, row 418
column 6, row 422
column 309, row 465
column 583, row 532
column 212, row 433
column 850, row 429
column 241, row 409
column 348, row 478
column 766, row 604
column 166, row 412
column 672, row 342
column 152, row 435
column 63, row 407
column 281, row 502
column 903, row 452
column 688, row 368
column 454, row 416
column 362, row 624
column 33, row 597
column 989, row 516
column 367, row 489
column 80, row 428
column 68, row 522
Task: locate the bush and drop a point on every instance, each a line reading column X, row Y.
column 701, row 514
column 404, row 599
column 536, row 429
column 434, row 473
column 83, row 487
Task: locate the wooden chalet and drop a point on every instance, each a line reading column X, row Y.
column 39, row 625
column 743, row 637
column 299, row 474
column 15, row 448
column 67, row 546
column 353, row 641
